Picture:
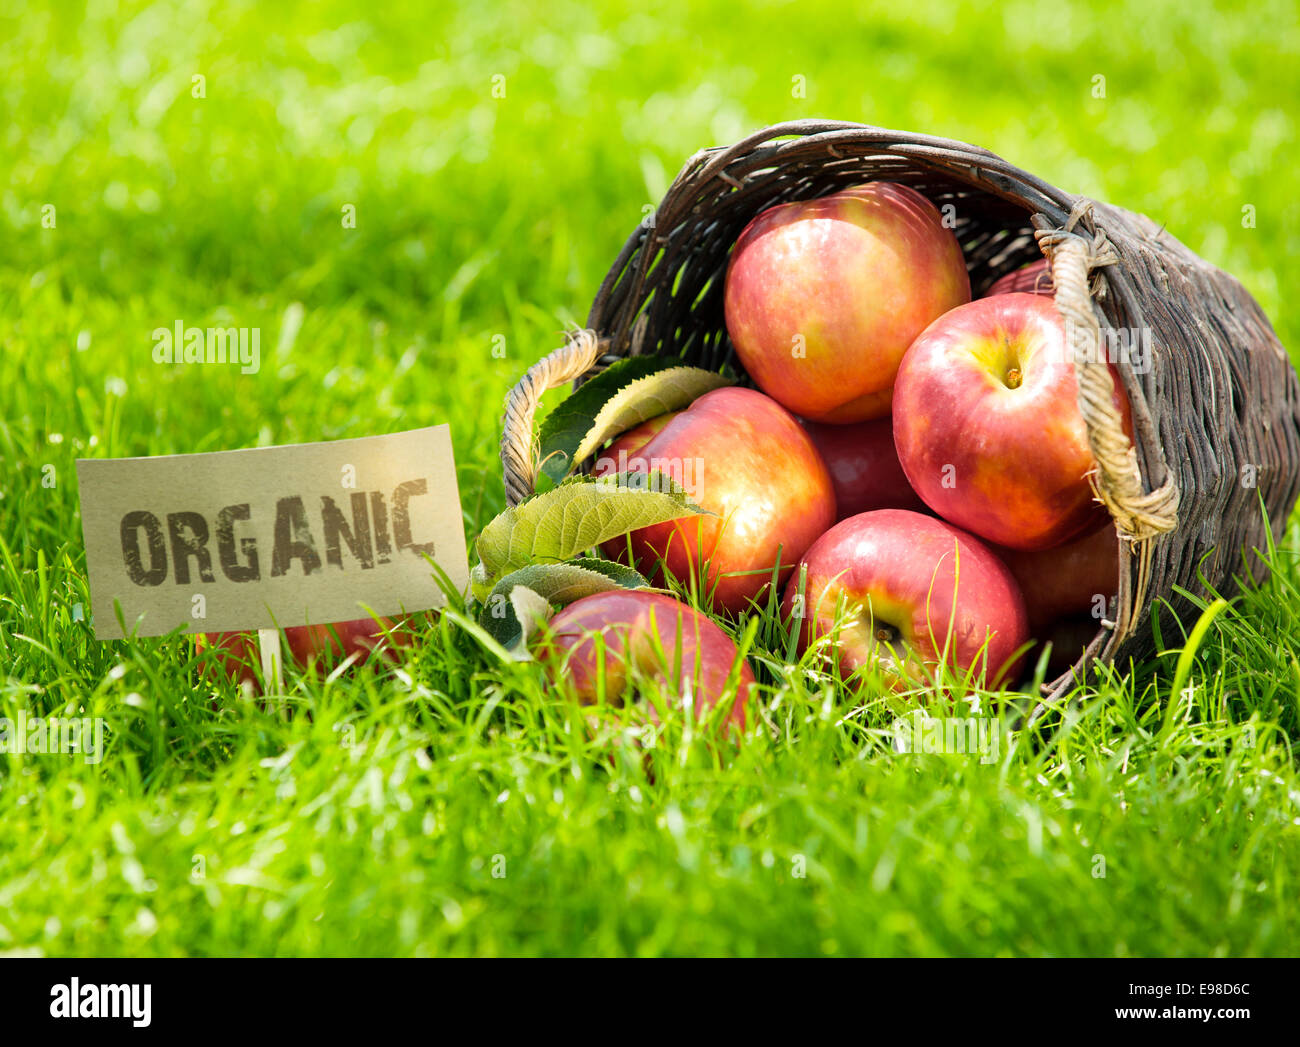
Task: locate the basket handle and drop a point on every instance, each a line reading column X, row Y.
column 575, row 358
column 1138, row 514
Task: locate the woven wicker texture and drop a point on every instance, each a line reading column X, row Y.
column 1215, row 398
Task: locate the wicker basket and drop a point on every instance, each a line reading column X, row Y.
column 1219, row 395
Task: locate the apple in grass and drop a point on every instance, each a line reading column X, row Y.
column 1034, row 278
column 601, row 642
column 744, row 458
column 987, row 425
column 237, row 653
column 824, row 296
column 864, row 467
column 919, row 592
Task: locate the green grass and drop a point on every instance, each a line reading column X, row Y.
column 368, row 814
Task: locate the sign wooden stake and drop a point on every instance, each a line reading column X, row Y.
column 268, row 647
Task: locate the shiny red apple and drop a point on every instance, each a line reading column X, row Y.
column 919, row 593
column 987, row 425
column 864, row 467
column 1065, row 581
column 746, row 460
column 600, row 643
column 1034, row 278
column 824, row 296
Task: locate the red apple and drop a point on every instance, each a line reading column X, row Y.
column 920, row 592
column 1034, row 278
column 747, row 461
column 650, row 634
column 824, row 296
column 987, row 425
column 237, row 653
column 864, row 467
column 1067, row 580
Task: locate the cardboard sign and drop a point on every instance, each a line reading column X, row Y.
column 272, row 536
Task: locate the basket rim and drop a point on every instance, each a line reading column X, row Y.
column 764, row 147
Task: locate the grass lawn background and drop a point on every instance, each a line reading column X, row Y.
column 375, row 824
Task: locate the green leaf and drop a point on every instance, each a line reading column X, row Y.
column 508, row 611
column 529, row 609
column 564, row 427
column 628, row 393
column 580, row 514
